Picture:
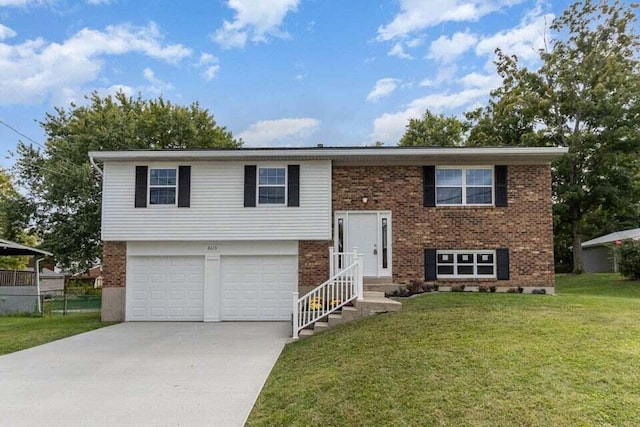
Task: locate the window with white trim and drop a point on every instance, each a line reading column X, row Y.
column 272, row 186
column 464, row 186
column 162, row 186
column 466, row 264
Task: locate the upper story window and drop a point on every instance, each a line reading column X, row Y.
column 162, row 186
column 272, row 186
column 464, row 186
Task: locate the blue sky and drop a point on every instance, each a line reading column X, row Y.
column 275, row 72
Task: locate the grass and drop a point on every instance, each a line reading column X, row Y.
column 20, row 332
column 473, row 360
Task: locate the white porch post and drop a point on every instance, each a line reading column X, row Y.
column 332, row 266
column 37, row 265
column 295, row 316
column 358, row 274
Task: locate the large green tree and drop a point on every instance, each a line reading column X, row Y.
column 585, row 96
column 435, row 130
column 66, row 190
column 14, row 220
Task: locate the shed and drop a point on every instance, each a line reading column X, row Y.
column 599, row 255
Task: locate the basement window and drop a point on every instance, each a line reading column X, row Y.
column 466, row 264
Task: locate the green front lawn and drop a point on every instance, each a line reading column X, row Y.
column 473, row 360
column 20, row 332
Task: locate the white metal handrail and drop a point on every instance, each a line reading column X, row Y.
column 341, row 288
column 339, row 260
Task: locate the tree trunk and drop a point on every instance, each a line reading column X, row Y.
column 578, row 265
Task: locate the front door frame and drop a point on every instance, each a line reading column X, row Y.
column 380, row 215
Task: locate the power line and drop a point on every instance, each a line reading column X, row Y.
column 22, row 134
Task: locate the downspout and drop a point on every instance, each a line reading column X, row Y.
column 95, row 166
column 38, row 283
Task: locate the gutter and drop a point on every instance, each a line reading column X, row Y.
column 95, row 166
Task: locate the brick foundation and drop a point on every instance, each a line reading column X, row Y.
column 525, row 226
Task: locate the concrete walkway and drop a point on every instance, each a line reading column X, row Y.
column 142, row 374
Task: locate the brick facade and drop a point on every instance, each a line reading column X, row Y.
column 114, row 264
column 313, row 262
column 525, row 226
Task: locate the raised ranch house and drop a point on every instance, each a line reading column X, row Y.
column 217, row 235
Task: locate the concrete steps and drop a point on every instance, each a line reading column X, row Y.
column 374, row 302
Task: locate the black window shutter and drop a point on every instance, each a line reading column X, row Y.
column 429, row 185
column 430, row 264
column 250, row 186
column 502, row 255
column 501, row 186
column 293, row 185
column 184, row 186
column 141, row 187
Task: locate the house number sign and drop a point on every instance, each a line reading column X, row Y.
column 212, row 247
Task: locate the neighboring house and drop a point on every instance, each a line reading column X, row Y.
column 599, row 255
column 92, row 276
column 230, row 234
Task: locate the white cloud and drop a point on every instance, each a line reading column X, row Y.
column 156, row 85
column 35, row 70
column 254, row 21
column 19, row 3
column 273, row 131
column 446, row 49
column 417, row 15
column 207, row 58
column 398, row 50
column 6, row 32
column 210, row 66
column 390, row 127
column 211, row 72
column 485, row 81
column 384, row 87
column 524, row 40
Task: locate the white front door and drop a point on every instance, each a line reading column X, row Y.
column 370, row 234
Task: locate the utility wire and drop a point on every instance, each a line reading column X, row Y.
column 2, row 122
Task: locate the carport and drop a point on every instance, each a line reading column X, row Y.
column 19, row 286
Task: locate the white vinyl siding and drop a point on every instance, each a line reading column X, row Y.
column 217, row 209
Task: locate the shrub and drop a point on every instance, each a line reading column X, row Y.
column 483, row 289
column 512, row 290
column 492, row 289
column 458, row 288
column 520, row 289
column 629, row 259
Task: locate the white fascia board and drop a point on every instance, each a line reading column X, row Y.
column 532, row 154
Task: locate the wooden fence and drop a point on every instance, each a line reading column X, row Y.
column 17, row 278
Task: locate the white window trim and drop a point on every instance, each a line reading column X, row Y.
column 286, row 186
column 149, row 204
column 464, row 186
column 475, row 253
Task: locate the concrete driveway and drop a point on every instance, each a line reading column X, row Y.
column 134, row 374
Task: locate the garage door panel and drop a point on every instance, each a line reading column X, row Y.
column 258, row 287
column 165, row 288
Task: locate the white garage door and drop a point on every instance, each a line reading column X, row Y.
column 165, row 288
column 258, row 287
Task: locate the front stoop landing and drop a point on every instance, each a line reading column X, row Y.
column 374, row 302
